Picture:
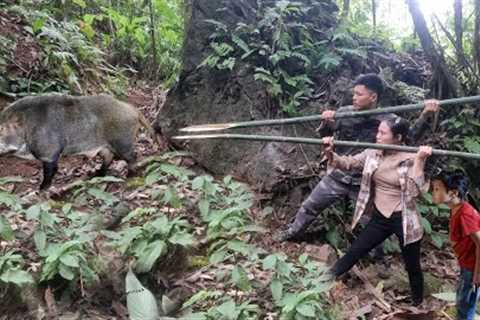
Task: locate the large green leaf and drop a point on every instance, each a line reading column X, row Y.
column 6, row 231
column 228, row 310
column 240, row 278
column 181, row 238
column 106, row 197
column 141, row 303
column 147, row 258
column 66, row 272
column 40, row 239
column 18, row 277
column 306, row 309
column 70, row 260
column 276, row 286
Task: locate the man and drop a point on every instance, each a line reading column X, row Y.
column 337, row 184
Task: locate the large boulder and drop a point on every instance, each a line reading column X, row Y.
column 206, row 95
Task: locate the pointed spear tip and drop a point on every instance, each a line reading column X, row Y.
column 208, row 127
column 199, row 136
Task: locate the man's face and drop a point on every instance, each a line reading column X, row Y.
column 363, row 98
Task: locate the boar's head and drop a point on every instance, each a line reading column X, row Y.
column 12, row 139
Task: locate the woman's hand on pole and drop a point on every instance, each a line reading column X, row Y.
column 328, row 147
column 424, row 152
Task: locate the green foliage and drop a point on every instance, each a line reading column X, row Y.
column 11, row 269
column 284, row 49
column 149, row 239
column 78, row 41
column 69, row 260
column 95, row 190
column 228, row 309
column 63, row 241
column 7, row 198
column 434, row 220
column 66, row 57
column 297, row 289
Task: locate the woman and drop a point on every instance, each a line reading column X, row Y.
column 391, row 182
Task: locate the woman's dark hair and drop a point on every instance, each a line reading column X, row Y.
column 372, row 82
column 456, row 180
column 399, row 126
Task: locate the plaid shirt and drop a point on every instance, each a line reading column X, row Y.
column 410, row 189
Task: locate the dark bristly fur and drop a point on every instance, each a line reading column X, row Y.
column 52, row 125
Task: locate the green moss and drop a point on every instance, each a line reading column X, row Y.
column 56, row 204
column 197, row 262
column 135, row 182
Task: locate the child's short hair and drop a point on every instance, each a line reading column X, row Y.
column 456, row 180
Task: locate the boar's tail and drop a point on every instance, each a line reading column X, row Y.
column 144, row 122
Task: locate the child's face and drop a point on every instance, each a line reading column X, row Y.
column 439, row 192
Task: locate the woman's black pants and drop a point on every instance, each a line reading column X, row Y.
column 375, row 232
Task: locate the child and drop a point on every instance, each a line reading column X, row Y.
column 464, row 233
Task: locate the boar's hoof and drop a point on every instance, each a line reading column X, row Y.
column 45, row 185
column 102, row 172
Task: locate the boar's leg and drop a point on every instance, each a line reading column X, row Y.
column 107, row 157
column 49, row 170
column 126, row 151
column 132, row 169
column 131, row 159
column 49, row 162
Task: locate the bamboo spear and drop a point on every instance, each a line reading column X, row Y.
column 338, row 115
column 354, row 144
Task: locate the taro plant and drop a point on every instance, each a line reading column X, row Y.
column 231, row 310
column 68, row 260
column 151, row 239
column 224, row 207
column 62, row 239
column 226, row 309
column 297, row 289
column 7, row 198
column 85, row 191
column 12, row 269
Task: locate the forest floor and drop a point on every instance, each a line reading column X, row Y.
column 365, row 293
column 373, row 291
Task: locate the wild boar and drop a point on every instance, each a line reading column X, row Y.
column 46, row 127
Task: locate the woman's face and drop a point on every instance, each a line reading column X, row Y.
column 385, row 135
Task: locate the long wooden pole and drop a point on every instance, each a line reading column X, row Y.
column 338, row 115
column 354, row 144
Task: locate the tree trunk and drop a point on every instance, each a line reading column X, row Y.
column 476, row 37
column 345, row 9
column 444, row 84
column 374, row 15
column 458, row 19
column 152, row 35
